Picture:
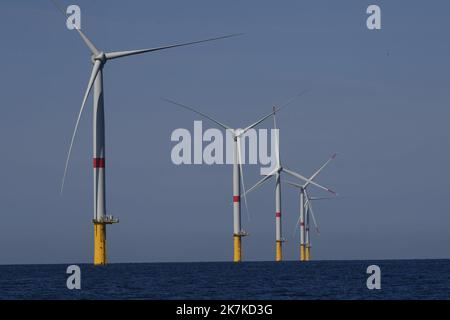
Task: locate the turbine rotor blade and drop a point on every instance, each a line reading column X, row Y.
column 121, row 54
column 260, row 182
column 238, row 142
column 321, row 198
column 85, row 39
column 314, row 218
column 224, row 126
column 296, row 226
column 57, row 5
column 277, row 140
column 288, row 102
column 322, row 167
column 305, row 204
column 256, row 123
column 88, row 42
column 299, row 176
column 275, row 109
column 312, row 213
column 296, row 185
column 95, row 70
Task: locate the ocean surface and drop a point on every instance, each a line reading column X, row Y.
column 402, row 279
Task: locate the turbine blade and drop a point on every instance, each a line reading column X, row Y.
column 296, row 226
column 322, row 167
column 58, row 6
column 198, row 112
column 95, row 70
column 257, row 122
column 288, row 102
column 260, row 182
column 293, row 184
column 121, row 54
column 88, row 42
column 299, row 176
column 238, row 141
column 277, row 140
column 312, row 213
column 275, row 109
column 85, row 39
column 306, row 203
column 314, row 218
column 321, row 198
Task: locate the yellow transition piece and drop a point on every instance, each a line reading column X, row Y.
column 237, row 248
column 302, row 253
column 279, row 251
column 99, row 244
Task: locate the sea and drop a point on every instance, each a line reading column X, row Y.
column 342, row 280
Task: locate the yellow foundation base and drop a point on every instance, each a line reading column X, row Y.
column 279, row 251
column 237, row 257
column 308, row 253
column 302, row 253
column 99, row 244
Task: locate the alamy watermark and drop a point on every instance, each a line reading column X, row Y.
column 73, row 13
column 74, row 280
column 374, row 280
column 212, row 147
column 373, row 22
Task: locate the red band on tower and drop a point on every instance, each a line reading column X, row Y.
column 99, row 162
column 236, row 198
column 278, row 214
column 302, row 224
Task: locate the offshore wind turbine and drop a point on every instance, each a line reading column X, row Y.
column 277, row 174
column 310, row 214
column 99, row 59
column 305, row 205
column 238, row 177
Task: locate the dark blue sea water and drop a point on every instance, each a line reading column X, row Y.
column 406, row 279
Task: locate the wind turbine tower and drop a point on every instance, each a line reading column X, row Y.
column 310, row 214
column 276, row 173
column 306, row 208
column 238, row 176
column 99, row 58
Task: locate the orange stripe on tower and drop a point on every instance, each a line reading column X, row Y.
column 99, row 162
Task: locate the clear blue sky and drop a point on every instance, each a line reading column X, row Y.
column 380, row 99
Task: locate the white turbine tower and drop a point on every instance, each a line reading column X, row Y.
column 238, row 177
column 276, row 173
column 306, row 207
column 99, row 59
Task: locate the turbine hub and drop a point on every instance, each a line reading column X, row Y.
column 238, row 132
column 100, row 57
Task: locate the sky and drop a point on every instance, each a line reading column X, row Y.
column 379, row 98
